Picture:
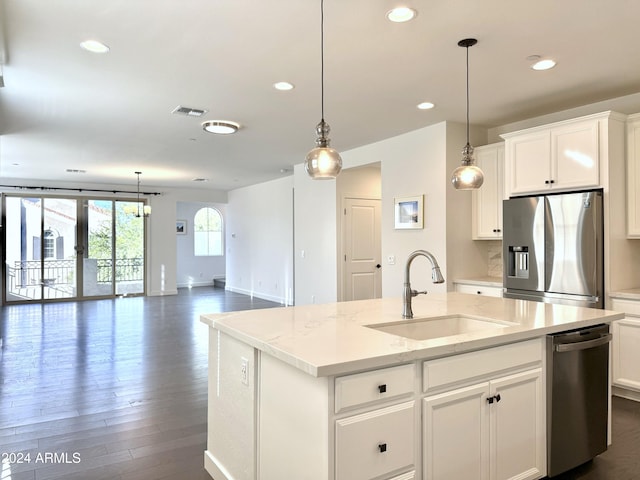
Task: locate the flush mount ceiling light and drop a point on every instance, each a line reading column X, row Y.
column 401, row 14
column 467, row 176
column 94, row 46
column 220, row 127
column 284, row 86
column 323, row 162
column 426, row 106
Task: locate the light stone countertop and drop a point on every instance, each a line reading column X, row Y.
column 332, row 339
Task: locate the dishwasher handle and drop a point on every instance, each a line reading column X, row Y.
column 572, row 347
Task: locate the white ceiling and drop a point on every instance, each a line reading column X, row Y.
column 64, row 108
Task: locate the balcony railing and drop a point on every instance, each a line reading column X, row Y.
column 62, row 273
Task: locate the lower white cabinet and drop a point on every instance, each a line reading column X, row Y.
column 475, row 415
column 375, row 443
column 491, row 430
column 479, row 289
column 626, row 345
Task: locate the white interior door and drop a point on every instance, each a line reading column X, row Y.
column 362, row 278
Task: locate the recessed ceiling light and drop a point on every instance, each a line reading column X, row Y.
column 425, row 105
column 221, row 127
column 94, row 46
column 283, row 86
column 544, row 64
column 401, row 14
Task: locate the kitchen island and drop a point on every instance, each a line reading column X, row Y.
column 350, row 390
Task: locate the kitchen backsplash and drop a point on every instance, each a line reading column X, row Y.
column 494, row 251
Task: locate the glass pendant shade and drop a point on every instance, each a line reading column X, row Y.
column 323, row 162
column 467, row 176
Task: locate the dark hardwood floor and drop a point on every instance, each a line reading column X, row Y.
column 117, row 390
column 108, row 389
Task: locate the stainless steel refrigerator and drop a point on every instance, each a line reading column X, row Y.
column 553, row 248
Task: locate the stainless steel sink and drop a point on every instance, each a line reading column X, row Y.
column 437, row 327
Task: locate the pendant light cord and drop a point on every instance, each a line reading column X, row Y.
column 322, row 58
column 467, row 94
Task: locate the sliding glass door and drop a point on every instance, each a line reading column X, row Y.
column 40, row 259
column 67, row 248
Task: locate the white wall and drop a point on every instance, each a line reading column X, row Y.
column 420, row 163
column 315, row 239
column 195, row 271
column 161, row 235
column 259, row 240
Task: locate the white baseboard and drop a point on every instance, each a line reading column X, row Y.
column 625, row 393
column 263, row 296
column 159, row 293
column 212, row 466
column 208, row 283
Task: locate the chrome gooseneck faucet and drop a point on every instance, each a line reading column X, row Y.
column 407, row 292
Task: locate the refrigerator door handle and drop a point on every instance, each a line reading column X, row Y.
column 550, row 242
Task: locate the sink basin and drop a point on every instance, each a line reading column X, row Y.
column 436, row 327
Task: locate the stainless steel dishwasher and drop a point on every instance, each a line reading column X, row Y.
column 577, row 397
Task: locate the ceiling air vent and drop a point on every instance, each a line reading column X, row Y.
column 188, row 111
column 75, row 170
column 200, row 179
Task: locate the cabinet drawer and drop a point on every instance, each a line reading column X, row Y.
column 376, row 443
column 376, row 385
column 470, row 367
column 479, row 290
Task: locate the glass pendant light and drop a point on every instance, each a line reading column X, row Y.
column 323, row 162
column 467, row 176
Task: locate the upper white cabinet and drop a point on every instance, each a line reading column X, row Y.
column 487, row 201
column 633, row 176
column 560, row 156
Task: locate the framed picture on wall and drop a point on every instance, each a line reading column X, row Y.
column 409, row 212
column 181, row 227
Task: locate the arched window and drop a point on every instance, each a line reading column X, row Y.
column 208, row 232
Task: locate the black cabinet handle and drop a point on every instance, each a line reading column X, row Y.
column 546, row 182
column 552, row 181
column 490, row 400
column 495, row 398
column 479, row 292
column 382, row 447
column 382, row 388
column 378, row 266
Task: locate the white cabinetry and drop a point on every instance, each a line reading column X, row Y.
column 479, row 289
column 495, row 427
column 487, row 201
column 368, row 425
column 633, row 176
column 561, row 156
column 626, row 347
column 373, row 444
